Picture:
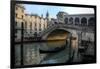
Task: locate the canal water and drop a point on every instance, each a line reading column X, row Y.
column 33, row 56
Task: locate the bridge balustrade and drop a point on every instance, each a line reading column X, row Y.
column 80, row 28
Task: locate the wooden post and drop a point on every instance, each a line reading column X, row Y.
column 71, row 51
column 22, row 32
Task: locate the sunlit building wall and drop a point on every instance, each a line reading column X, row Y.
column 19, row 19
column 33, row 24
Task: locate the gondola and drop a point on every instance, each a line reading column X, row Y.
column 55, row 50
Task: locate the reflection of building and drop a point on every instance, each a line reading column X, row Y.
column 33, row 24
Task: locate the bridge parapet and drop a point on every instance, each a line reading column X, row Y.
column 66, row 26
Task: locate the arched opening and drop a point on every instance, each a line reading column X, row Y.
column 55, row 22
column 71, row 20
column 59, row 40
column 77, row 21
column 83, row 21
column 57, row 33
column 91, row 21
column 66, row 20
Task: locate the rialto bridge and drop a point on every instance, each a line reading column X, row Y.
column 75, row 31
column 81, row 27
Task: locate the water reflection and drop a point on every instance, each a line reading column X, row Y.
column 32, row 55
column 57, row 43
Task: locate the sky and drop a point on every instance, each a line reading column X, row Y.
column 53, row 10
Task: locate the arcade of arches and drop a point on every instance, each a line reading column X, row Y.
column 83, row 21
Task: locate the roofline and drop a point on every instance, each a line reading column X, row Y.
column 20, row 6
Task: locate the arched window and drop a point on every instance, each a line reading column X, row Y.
column 66, row 20
column 35, row 34
column 55, row 22
column 30, row 27
column 35, row 24
column 77, row 21
column 83, row 21
column 25, row 25
column 91, row 21
column 71, row 20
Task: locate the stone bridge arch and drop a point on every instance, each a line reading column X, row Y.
column 72, row 33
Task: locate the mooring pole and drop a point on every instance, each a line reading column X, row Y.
column 70, row 46
column 22, row 32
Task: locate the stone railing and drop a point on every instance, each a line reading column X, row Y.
column 80, row 28
column 48, row 29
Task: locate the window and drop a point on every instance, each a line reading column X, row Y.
column 39, row 27
column 22, row 16
column 25, row 25
column 55, row 22
column 71, row 20
column 35, row 33
column 83, row 21
column 77, row 21
column 35, row 24
column 91, row 21
column 35, row 29
column 66, row 20
column 30, row 27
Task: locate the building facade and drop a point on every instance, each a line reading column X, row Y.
column 19, row 19
column 33, row 24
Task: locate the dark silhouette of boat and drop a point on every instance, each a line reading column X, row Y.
column 55, row 50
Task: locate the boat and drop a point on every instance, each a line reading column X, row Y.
column 55, row 50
